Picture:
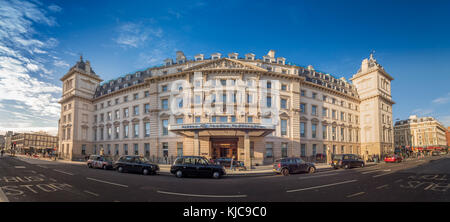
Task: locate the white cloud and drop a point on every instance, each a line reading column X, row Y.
column 134, row 35
column 422, row 112
column 22, row 59
column 442, row 100
column 55, row 8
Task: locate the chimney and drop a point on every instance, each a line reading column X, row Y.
column 88, row 66
column 271, row 53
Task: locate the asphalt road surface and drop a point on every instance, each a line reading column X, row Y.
column 30, row 180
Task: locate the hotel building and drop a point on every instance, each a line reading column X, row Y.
column 255, row 110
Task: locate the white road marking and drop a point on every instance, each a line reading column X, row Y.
column 51, row 179
column 356, row 194
column 91, row 193
column 383, row 186
column 327, row 185
column 308, row 177
column 398, row 181
column 63, row 172
column 102, row 181
column 42, row 166
column 200, row 195
column 19, row 167
column 379, row 175
column 3, row 197
column 373, row 171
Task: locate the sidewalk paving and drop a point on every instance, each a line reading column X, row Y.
column 50, row 159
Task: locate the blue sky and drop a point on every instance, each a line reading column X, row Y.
column 41, row 40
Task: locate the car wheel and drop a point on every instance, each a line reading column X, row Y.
column 145, row 171
column 216, row 175
column 89, row 166
column 285, row 172
column 120, row 169
column 311, row 170
column 179, row 174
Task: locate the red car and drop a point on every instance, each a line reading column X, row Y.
column 393, row 159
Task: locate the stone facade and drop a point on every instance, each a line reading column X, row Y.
column 420, row 132
column 283, row 109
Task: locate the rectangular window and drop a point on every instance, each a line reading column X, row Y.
column 302, row 129
column 125, row 131
column 136, row 130
column 117, row 114
column 164, row 88
column 136, row 149
column 108, row 149
column 324, row 112
column 125, row 113
column 147, row 149
column 303, row 93
column 342, row 134
column 342, row 116
column 136, row 96
column 165, row 125
column 125, row 149
column 213, row 119
column 284, row 127
column 333, row 133
column 223, row 82
column 116, row 149
column 283, row 103
column 116, row 132
column 233, row 119
column 165, row 104
column 284, row 150
column 314, row 149
column 314, row 110
column 179, row 149
column 165, row 149
column 224, row 98
column 223, row 119
column 135, row 110
column 146, row 108
column 179, row 120
column 269, row 101
column 269, row 85
column 269, row 150
column 324, row 132
column 249, row 98
column 197, row 119
column 313, row 130
column 283, row 87
column 334, row 114
column 197, row 99
column 146, row 94
column 83, row 149
column 302, row 108
column 250, row 119
column 147, row 129
column 314, row 95
column 303, row 150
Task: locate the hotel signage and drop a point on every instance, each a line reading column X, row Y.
column 222, row 126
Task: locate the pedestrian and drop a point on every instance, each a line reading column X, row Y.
column 231, row 165
column 2, row 152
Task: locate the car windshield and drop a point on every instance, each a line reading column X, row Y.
column 107, row 158
column 202, row 161
column 141, row 159
column 337, row 157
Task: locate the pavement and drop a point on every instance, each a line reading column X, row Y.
column 416, row 180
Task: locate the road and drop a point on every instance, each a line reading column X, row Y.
column 30, row 180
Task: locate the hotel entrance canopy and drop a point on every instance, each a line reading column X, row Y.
column 222, row 129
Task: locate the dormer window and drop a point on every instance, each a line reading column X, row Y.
column 119, row 80
column 138, row 74
column 168, row 64
column 128, row 77
column 214, row 58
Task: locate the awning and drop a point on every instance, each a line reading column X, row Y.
column 222, row 129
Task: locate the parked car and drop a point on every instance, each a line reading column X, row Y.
column 226, row 162
column 135, row 164
column 196, row 166
column 394, row 158
column 286, row 166
column 436, row 153
column 99, row 161
column 346, row 161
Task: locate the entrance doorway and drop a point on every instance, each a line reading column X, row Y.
column 224, row 148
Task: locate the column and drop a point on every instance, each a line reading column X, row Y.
column 196, row 144
column 247, row 158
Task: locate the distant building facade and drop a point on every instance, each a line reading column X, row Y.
column 419, row 132
column 447, row 134
column 34, row 142
column 255, row 110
